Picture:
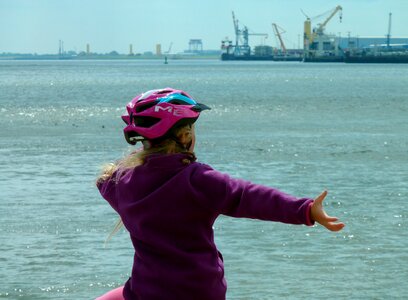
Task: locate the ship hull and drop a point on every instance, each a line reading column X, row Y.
column 324, row 59
column 227, row 57
column 288, row 58
column 377, row 59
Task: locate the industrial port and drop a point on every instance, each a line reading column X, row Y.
column 317, row 46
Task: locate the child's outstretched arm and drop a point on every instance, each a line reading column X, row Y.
column 320, row 216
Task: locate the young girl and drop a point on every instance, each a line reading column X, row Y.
column 168, row 202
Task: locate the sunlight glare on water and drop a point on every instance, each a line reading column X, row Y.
column 298, row 127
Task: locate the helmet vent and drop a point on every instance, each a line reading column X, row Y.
column 178, row 102
column 163, row 92
column 145, row 122
column 141, row 108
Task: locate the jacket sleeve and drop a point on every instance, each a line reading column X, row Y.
column 107, row 188
column 238, row 198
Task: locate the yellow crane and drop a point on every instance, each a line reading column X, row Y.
column 309, row 36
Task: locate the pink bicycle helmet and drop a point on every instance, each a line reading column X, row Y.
column 153, row 114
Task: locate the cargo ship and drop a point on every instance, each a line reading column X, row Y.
column 320, row 46
column 243, row 52
column 260, row 53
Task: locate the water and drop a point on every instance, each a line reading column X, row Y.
column 298, row 127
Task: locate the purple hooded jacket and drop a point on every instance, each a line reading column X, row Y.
column 169, row 208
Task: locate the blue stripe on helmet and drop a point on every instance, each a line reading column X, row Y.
column 177, row 97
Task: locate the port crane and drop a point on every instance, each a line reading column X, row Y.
column 317, row 44
column 242, row 44
column 278, row 34
column 310, row 35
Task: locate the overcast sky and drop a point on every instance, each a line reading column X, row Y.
column 36, row 26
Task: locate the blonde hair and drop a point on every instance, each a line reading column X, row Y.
column 136, row 158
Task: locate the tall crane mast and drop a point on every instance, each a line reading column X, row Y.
column 389, row 31
column 236, row 28
column 278, row 34
column 244, row 33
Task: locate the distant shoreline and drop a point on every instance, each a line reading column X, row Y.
column 104, row 57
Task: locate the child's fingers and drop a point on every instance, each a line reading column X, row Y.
column 331, row 219
column 335, row 226
column 321, row 197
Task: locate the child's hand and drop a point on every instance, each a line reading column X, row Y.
column 319, row 215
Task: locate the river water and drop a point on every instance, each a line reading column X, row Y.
column 298, row 127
